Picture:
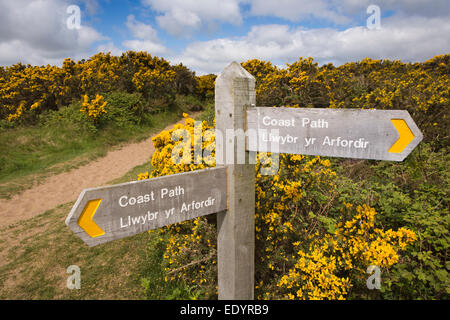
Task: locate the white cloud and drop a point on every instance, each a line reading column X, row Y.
column 434, row 8
column 92, row 6
column 36, row 32
column 141, row 30
column 154, row 49
column 185, row 17
column 341, row 11
column 147, row 38
column 178, row 22
column 401, row 37
column 109, row 47
column 297, row 10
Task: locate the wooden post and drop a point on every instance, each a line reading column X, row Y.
column 234, row 93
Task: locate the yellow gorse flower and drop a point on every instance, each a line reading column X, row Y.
column 95, row 108
column 316, row 271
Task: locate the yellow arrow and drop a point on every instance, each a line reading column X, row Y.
column 86, row 221
column 406, row 136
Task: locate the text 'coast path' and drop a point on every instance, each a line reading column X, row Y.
column 348, row 133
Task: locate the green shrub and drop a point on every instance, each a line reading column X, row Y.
column 153, row 275
column 66, row 118
column 188, row 103
column 209, row 113
column 413, row 194
column 125, row 109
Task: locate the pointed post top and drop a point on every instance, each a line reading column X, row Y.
column 234, row 70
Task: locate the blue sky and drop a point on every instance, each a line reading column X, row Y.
column 206, row 35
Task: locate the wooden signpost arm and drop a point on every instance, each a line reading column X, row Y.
column 234, row 93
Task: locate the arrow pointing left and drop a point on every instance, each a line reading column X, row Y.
column 127, row 209
column 86, row 221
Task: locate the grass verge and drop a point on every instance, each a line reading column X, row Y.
column 35, row 254
column 31, row 154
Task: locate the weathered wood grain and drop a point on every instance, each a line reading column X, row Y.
column 197, row 186
column 372, row 126
column 234, row 92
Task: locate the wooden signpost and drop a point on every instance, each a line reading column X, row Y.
column 234, row 93
column 348, row 133
column 109, row 213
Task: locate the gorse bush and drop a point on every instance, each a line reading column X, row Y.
column 127, row 108
column 70, row 118
column 27, row 91
column 321, row 223
column 189, row 103
column 94, row 109
column 301, row 250
column 335, row 264
column 205, row 86
column 421, row 88
column 414, row 194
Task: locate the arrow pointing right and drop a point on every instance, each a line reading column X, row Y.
column 406, row 136
column 348, row 133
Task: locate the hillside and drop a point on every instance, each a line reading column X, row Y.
column 320, row 222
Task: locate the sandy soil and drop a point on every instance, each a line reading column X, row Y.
column 66, row 186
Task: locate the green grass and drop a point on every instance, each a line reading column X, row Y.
column 35, row 254
column 30, row 154
column 208, row 114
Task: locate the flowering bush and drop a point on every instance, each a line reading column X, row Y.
column 421, row 88
column 27, row 91
column 93, row 109
column 301, row 252
column 206, row 85
column 334, row 263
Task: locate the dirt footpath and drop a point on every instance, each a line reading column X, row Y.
column 66, row 186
